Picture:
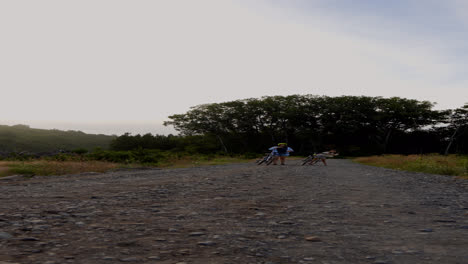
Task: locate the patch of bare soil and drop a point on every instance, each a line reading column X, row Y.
column 240, row 213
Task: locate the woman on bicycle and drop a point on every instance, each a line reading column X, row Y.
column 280, row 152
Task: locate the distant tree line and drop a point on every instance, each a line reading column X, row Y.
column 355, row 125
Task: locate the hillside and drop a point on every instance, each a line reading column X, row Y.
column 23, row 138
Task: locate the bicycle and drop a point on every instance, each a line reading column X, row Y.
column 310, row 160
column 267, row 159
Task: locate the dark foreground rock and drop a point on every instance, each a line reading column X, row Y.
column 242, row 213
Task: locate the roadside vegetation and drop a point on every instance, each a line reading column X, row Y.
column 104, row 161
column 454, row 165
column 48, row 167
column 240, row 130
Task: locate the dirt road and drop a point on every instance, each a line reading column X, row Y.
column 241, row 213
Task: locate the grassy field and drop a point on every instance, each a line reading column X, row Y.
column 47, row 167
column 434, row 163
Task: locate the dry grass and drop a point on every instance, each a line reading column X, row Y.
column 4, row 169
column 43, row 167
column 434, row 163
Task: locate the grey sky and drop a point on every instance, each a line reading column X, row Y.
column 111, row 66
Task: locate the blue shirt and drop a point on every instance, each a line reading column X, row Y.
column 275, row 151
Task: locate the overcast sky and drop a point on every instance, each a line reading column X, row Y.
column 114, row 66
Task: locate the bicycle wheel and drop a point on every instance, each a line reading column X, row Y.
column 270, row 160
column 315, row 162
column 260, row 162
column 308, row 159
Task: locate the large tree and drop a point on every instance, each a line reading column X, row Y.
column 309, row 122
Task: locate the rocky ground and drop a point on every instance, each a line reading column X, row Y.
column 241, row 213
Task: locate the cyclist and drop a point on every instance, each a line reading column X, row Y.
column 323, row 156
column 280, row 152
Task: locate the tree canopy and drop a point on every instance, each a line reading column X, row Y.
column 356, row 124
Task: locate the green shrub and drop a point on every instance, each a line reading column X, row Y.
column 80, row 151
column 24, row 169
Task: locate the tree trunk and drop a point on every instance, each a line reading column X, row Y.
column 222, row 143
column 387, row 139
column 452, row 138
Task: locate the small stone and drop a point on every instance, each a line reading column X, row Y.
column 108, row 258
column 281, row 237
column 154, row 258
column 313, row 239
column 4, row 235
column 427, row 230
column 197, row 234
column 29, row 239
column 206, row 243
column 41, row 227
column 172, row 230
column 381, row 261
column 127, row 244
column 36, row 221
column 445, row 221
column 309, row 259
column 132, row 259
column 184, row 251
column 286, row 222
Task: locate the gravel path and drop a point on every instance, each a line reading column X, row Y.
column 240, row 213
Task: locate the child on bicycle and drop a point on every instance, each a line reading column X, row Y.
column 323, row 157
column 280, row 152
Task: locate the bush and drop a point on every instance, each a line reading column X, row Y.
column 143, row 156
column 80, row 151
